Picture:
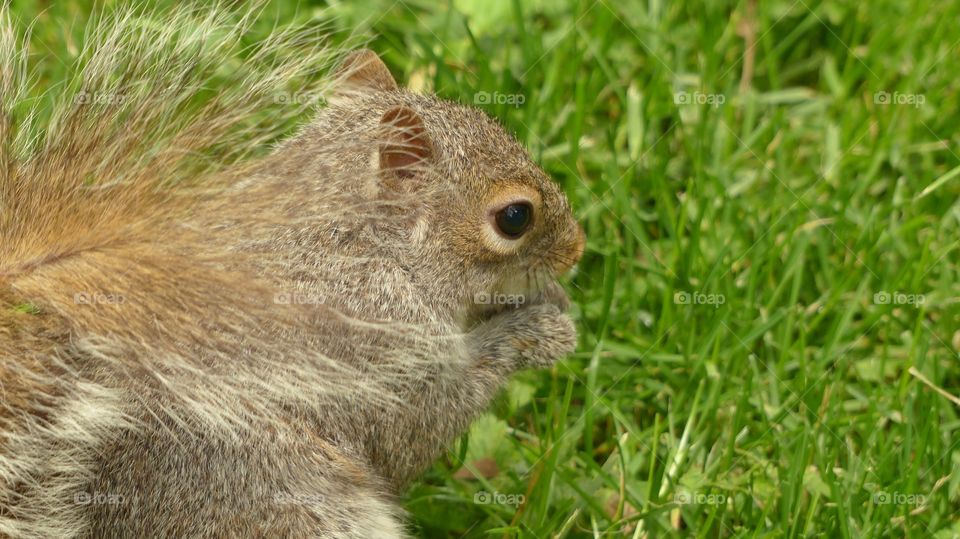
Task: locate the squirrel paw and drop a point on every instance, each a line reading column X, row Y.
column 546, row 336
column 535, row 335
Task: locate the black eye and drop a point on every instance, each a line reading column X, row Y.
column 515, row 219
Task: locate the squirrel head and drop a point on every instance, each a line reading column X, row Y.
column 485, row 224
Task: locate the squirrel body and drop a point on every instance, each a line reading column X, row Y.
column 256, row 345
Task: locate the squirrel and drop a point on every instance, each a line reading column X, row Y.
column 204, row 334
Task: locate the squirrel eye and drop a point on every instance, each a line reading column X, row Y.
column 514, row 220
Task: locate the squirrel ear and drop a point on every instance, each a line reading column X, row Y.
column 363, row 70
column 405, row 145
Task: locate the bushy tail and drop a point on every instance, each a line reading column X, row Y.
column 153, row 101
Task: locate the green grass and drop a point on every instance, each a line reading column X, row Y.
column 737, row 348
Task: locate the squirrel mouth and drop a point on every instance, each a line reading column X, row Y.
column 486, row 305
column 534, row 286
